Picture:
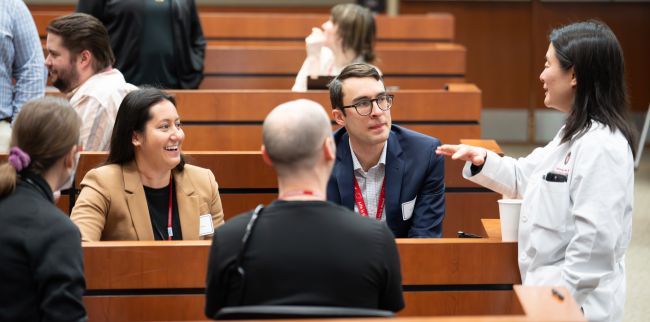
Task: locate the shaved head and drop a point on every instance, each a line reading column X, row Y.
column 294, row 133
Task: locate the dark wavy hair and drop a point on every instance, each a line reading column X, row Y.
column 592, row 50
column 79, row 32
column 132, row 116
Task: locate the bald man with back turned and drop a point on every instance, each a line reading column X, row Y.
column 302, row 249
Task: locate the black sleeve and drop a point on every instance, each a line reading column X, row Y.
column 475, row 169
column 213, row 300
column 223, row 287
column 197, row 39
column 57, row 261
column 391, row 298
column 94, row 8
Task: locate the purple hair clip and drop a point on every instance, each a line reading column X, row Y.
column 18, row 158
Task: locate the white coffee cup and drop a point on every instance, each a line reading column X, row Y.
column 509, row 210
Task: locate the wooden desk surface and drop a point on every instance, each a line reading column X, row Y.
column 166, row 280
column 492, row 228
column 536, row 303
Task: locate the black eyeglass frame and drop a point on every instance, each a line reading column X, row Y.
column 388, row 97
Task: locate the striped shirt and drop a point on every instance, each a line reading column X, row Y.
column 21, row 58
column 96, row 101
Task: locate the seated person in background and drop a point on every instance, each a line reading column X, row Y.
column 302, row 250
column 146, row 191
column 348, row 37
column 79, row 63
column 383, row 171
column 40, row 250
column 158, row 43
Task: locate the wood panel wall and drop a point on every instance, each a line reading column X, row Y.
column 506, row 43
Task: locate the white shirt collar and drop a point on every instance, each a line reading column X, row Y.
column 356, row 165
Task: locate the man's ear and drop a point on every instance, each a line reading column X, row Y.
column 329, row 148
column 84, row 58
column 265, row 156
column 338, row 116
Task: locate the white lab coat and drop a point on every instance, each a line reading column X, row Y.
column 572, row 233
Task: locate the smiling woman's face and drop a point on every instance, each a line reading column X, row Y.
column 559, row 84
column 160, row 144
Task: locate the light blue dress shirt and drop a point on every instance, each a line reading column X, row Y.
column 21, row 58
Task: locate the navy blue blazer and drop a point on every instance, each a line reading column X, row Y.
column 413, row 169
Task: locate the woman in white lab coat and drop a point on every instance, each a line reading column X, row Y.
column 577, row 191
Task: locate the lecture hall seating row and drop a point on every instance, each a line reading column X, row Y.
column 418, row 52
column 285, row 29
column 443, row 280
column 230, row 120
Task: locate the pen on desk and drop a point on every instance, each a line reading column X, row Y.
column 462, row 234
column 557, row 294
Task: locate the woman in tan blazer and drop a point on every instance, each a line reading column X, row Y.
column 146, row 191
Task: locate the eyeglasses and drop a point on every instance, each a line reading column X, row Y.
column 364, row 106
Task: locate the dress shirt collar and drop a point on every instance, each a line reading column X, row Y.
column 356, row 165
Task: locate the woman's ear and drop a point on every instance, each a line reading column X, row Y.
column 136, row 139
column 70, row 157
column 574, row 81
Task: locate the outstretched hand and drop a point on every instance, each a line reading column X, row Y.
column 463, row 152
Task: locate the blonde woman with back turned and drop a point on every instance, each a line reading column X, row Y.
column 40, row 249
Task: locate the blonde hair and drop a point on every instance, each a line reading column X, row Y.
column 46, row 129
column 356, row 27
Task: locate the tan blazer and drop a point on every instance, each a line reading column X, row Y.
column 112, row 204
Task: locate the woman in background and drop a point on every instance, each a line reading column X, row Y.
column 41, row 275
column 576, row 216
column 146, row 191
column 347, row 37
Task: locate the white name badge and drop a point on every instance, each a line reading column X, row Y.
column 205, row 225
column 407, row 209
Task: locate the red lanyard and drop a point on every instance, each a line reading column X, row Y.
column 361, row 205
column 170, row 231
column 294, row 193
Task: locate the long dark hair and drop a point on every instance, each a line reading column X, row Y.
column 592, row 50
column 132, row 116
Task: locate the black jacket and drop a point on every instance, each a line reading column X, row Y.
column 124, row 20
column 305, row 253
column 41, row 271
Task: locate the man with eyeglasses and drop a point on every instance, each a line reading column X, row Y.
column 383, row 171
